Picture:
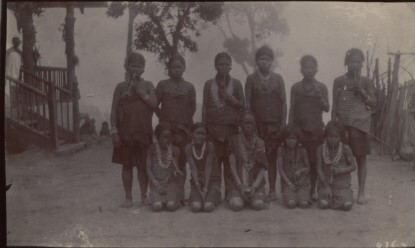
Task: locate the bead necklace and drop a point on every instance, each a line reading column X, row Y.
column 332, row 162
column 176, row 87
column 168, row 158
column 247, row 151
column 201, row 154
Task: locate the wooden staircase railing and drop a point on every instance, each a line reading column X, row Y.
column 40, row 105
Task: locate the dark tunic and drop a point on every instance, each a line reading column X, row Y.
column 306, row 111
column 165, row 176
column 221, row 122
column 178, row 103
column 213, row 195
column 258, row 155
column 339, row 184
column 290, row 164
column 353, row 112
column 133, row 120
column 266, row 98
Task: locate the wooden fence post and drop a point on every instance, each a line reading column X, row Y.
column 52, row 117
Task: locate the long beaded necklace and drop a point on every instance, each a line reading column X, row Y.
column 164, row 160
column 247, row 151
column 176, row 88
column 336, row 158
column 202, row 152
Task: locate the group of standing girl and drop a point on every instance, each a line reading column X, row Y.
column 241, row 137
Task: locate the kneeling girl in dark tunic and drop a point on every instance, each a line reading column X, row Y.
column 335, row 163
column 162, row 168
column 294, row 169
column 132, row 108
column 205, row 183
column 248, row 162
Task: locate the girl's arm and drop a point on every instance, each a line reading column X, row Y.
column 114, row 106
column 192, row 100
column 280, row 166
column 320, row 167
column 237, row 101
column 370, row 100
column 258, row 179
column 335, row 99
column 351, row 163
column 232, row 161
column 292, row 104
column 248, row 93
column 205, row 100
column 193, row 168
column 307, row 168
column 148, row 167
column 176, row 155
column 284, row 102
column 210, row 159
column 325, row 99
column 149, row 97
column 159, row 94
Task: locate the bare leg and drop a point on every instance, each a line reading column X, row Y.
column 127, row 181
column 272, row 174
column 258, row 204
column 143, row 180
column 361, row 174
column 313, row 180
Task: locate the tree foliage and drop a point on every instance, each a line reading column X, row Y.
column 171, row 27
column 19, row 9
column 262, row 19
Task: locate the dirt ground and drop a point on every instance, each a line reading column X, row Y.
column 74, row 200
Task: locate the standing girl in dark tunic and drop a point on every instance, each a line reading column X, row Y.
column 309, row 98
column 248, row 162
column 132, row 109
column 166, row 189
column 265, row 97
column 294, row 169
column 335, row 163
column 178, row 104
column 223, row 102
column 352, row 99
column 205, row 182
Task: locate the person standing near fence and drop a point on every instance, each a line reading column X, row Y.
column 132, row 109
column 353, row 97
column 223, row 102
column 309, row 98
column 13, row 64
column 265, row 97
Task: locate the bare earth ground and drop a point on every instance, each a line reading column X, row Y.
column 74, row 200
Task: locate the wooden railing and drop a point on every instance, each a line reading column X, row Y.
column 40, row 104
column 58, row 75
column 31, row 107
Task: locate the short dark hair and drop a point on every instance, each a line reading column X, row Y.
column 292, row 129
column 336, row 127
column 352, row 52
column 197, row 125
column 264, row 50
column 162, row 127
column 222, row 55
column 133, row 57
column 176, row 57
column 307, row 58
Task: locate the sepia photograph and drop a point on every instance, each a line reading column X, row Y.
column 208, row 124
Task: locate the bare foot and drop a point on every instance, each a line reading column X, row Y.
column 272, row 196
column 127, row 204
column 361, row 199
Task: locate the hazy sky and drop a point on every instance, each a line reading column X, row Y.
column 325, row 30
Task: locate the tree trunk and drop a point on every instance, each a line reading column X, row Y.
column 70, row 60
column 131, row 17
column 28, row 33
